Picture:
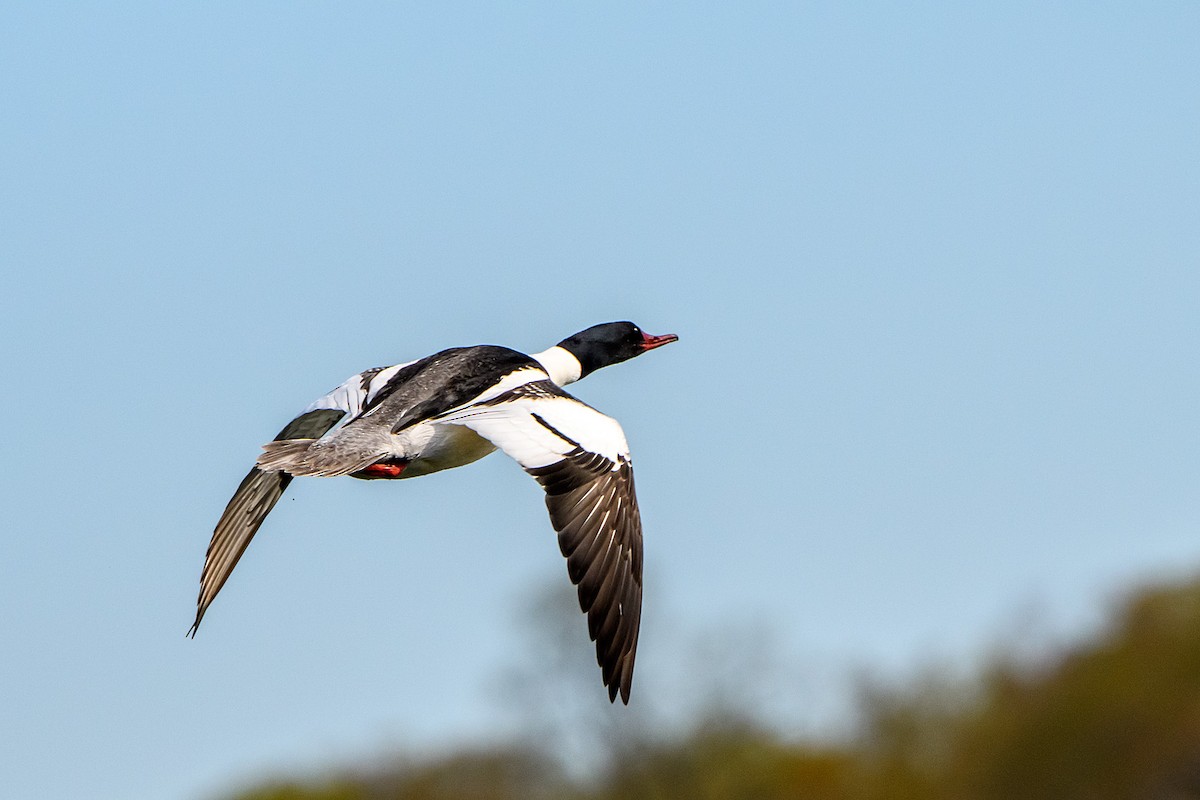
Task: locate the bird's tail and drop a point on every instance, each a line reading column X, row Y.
column 312, row 457
column 283, row 455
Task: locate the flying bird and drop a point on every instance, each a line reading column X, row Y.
column 457, row 406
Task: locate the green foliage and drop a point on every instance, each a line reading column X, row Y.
column 491, row 774
column 1115, row 718
column 291, row 791
column 728, row 760
column 1111, row 719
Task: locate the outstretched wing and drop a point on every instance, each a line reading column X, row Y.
column 257, row 494
column 581, row 459
column 260, row 490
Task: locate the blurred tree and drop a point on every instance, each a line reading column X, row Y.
column 513, row 773
column 1113, row 718
column 908, row 735
column 1116, row 717
column 484, row 774
column 730, row 759
column 335, row 790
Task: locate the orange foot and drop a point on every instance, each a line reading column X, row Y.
column 384, row 470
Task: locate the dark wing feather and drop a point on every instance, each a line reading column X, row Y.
column 257, row 494
column 594, row 509
column 581, row 459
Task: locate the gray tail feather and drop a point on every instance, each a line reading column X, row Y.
column 284, row 454
column 302, row 457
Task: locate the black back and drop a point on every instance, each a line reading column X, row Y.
column 446, row 380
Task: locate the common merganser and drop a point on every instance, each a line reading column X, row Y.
column 455, row 407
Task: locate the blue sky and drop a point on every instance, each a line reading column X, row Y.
column 934, row 270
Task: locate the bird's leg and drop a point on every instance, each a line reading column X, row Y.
column 388, row 469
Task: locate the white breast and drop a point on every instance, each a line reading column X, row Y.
column 433, row 448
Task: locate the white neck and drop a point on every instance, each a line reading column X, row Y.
column 560, row 365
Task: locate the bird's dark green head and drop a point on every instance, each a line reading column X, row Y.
column 611, row 343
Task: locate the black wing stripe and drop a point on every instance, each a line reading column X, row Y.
column 538, row 418
column 537, row 390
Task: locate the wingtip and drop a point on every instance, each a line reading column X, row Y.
column 619, row 686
